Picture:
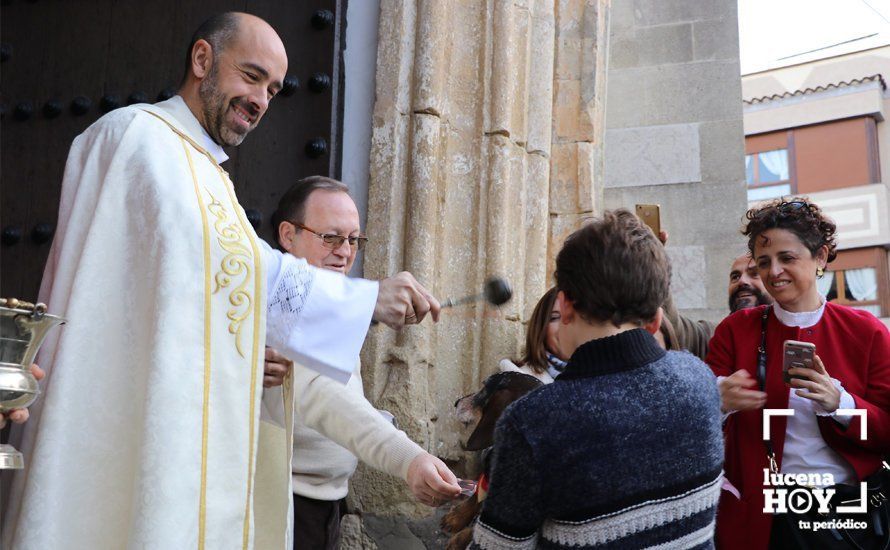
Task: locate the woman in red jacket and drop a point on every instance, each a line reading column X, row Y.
column 792, row 242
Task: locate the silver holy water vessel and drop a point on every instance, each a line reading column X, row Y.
column 23, row 326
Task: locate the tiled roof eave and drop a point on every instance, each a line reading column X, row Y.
column 834, row 85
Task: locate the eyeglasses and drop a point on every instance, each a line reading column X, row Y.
column 792, row 206
column 334, row 241
column 786, row 207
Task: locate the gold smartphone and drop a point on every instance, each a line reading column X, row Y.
column 797, row 355
column 651, row 216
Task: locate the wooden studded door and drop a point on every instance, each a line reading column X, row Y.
column 67, row 62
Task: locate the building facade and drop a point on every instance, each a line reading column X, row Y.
column 674, row 137
column 817, row 128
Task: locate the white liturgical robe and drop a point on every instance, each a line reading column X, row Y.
column 149, row 432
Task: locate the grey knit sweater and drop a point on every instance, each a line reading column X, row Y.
column 624, row 450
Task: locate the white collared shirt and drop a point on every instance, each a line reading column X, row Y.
column 178, row 108
column 805, row 451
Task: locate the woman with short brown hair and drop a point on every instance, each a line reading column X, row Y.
column 792, row 242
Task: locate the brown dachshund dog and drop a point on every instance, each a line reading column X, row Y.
column 484, row 408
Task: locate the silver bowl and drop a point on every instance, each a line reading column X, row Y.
column 23, row 327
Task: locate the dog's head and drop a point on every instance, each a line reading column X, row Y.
column 485, row 406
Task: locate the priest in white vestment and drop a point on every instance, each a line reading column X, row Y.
column 149, row 431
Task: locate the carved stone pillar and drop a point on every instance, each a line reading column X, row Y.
column 486, row 152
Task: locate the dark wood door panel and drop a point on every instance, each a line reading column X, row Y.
column 115, row 49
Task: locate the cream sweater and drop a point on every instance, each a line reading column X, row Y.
column 335, row 424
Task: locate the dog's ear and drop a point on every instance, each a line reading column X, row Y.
column 483, row 435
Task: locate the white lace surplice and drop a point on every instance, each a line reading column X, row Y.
column 302, row 323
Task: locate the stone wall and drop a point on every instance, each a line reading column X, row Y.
column 486, row 151
column 674, row 136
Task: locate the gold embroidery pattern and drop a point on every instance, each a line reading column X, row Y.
column 256, row 359
column 237, row 263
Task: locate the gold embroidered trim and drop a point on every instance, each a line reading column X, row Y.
column 238, row 262
column 255, row 352
column 205, row 418
column 231, row 237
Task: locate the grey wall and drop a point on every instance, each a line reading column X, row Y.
column 674, row 136
column 360, row 64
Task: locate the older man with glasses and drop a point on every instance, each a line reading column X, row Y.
column 317, row 220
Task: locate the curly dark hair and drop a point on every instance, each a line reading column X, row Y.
column 798, row 215
column 614, row 269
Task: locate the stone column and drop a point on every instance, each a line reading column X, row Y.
column 486, row 152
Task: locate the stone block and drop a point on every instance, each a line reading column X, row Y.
column 591, row 111
column 535, row 227
column 568, row 58
column 507, row 101
column 383, row 493
column 566, row 109
column 624, row 51
column 395, row 55
column 423, row 208
column 399, row 533
column 621, row 17
column 717, row 39
column 465, row 65
column 692, row 213
column 387, row 193
column 391, row 533
column 498, row 209
column 652, row 155
column 588, row 180
column 655, row 46
column 665, row 44
column 661, row 12
column 432, row 45
column 352, row 536
column 692, row 92
column 592, row 64
column 540, row 89
column 570, row 18
column 626, row 98
column 688, row 276
column 460, row 196
column 722, row 151
column 572, row 178
column 501, row 338
column 516, row 237
column 519, row 72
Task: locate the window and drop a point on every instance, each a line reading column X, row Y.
column 768, row 175
column 859, row 278
column 852, row 287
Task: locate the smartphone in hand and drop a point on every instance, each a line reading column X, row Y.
column 799, row 355
column 651, row 216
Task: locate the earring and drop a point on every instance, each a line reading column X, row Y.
column 820, row 272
